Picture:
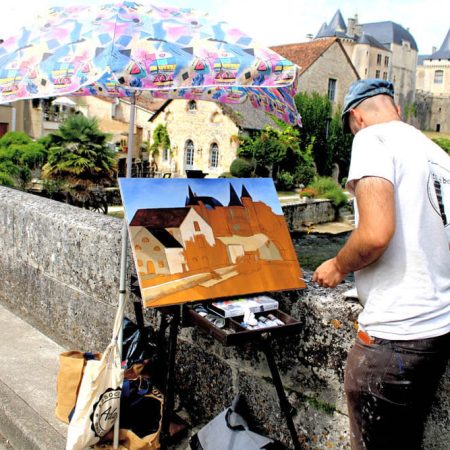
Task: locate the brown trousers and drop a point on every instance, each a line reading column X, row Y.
column 390, row 386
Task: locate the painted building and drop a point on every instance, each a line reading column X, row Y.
column 207, row 246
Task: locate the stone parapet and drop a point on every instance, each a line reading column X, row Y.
column 59, row 269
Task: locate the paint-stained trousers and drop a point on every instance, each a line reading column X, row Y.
column 390, row 386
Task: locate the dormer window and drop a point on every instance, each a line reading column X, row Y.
column 192, row 105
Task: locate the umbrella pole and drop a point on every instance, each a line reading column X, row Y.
column 124, row 251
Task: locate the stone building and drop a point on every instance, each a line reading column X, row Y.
column 433, row 89
column 203, row 135
column 325, row 67
column 13, row 117
column 378, row 50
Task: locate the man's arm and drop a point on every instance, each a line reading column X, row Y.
column 376, row 206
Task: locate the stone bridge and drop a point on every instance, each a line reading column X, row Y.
column 59, row 270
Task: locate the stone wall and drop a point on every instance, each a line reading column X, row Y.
column 306, row 213
column 59, row 269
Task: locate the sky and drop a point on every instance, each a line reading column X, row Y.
column 140, row 193
column 288, row 23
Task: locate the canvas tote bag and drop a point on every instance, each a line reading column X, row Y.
column 70, row 374
column 98, row 400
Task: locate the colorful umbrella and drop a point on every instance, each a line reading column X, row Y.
column 120, row 48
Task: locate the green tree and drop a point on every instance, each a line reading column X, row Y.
column 316, row 112
column 161, row 140
column 340, row 144
column 79, row 154
column 277, row 151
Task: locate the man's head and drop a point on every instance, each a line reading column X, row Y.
column 368, row 102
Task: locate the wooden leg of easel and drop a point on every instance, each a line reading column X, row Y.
column 169, row 391
column 285, row 406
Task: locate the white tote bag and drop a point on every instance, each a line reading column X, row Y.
column 98, row 400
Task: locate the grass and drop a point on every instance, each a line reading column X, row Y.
column 434, row 134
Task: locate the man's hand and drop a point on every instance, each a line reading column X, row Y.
column 328, row 274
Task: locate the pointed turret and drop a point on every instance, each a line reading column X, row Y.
column 245, row 193
column 234, row 199
column 337, row 23
column 192, row 198
column 321, row 32
column 444, row 51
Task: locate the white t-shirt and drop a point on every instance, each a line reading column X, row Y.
column 406, row 292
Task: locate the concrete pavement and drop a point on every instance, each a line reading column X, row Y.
column 28, row 386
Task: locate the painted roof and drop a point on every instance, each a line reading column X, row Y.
column 159, row 218
column 389, row 33
column 163, row 236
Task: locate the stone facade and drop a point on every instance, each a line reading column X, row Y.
column 205, row 126
column 432, row 111
column 59, row 269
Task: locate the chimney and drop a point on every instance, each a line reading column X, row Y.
column 351, row 22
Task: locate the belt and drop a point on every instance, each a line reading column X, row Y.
column 364, row 337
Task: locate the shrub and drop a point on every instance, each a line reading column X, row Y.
column 6, row 179
column 443, row 143
column 241, row 168
column 285, row 181
column 328, row 188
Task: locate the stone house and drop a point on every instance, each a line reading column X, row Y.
column 325, row 67
column 378, row 50
column 203, row 135
column 433, row 89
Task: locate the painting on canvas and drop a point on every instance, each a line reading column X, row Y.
column 198, row 239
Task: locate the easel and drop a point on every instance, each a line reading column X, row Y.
column 172, row 317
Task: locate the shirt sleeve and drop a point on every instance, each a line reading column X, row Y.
column 371, row 157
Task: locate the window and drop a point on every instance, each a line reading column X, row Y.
column 438, row 76
column 332, row 89
column 156, row 248
column 196, row 226
column 386, row 61
column 189, row 154
column 192, row 105
column 214, row 155
column 145, row 240
column 166, row 154
column 384, row 75
column 379, row 58
column 377, row 74
column 161, row 264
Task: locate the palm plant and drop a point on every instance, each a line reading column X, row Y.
column 80, row 155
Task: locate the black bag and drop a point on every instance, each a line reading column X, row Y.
column 139, row 343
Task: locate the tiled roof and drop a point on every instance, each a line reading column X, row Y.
column 306, row 53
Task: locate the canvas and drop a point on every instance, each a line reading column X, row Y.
column 198, row 239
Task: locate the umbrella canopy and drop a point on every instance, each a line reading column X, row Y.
column 120, row 48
